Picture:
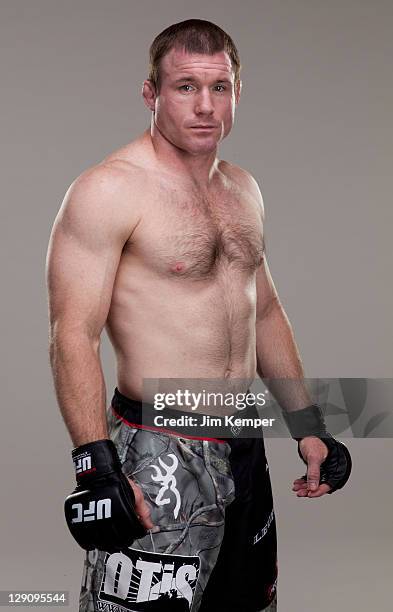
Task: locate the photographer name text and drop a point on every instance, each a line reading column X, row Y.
column 210, row 421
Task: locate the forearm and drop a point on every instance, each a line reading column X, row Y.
column 279, row 362
column 80, row 386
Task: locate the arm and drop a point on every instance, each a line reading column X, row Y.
column 90, row 230
column 278, row 358
column 85, row 246
column 279, row 362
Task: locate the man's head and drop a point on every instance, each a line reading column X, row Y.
column 194, row 80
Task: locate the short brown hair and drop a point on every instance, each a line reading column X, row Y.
column 194, row 36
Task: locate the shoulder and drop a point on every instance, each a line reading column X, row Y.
column 108, row 178
column 109, row 186
column 243, row 179
column 102, row 199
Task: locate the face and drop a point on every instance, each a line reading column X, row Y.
column 195, row 107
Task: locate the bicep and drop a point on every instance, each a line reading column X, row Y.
column 79, row 282
column 83, row 256
column 266, row 293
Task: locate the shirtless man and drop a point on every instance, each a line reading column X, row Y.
column 162, row 243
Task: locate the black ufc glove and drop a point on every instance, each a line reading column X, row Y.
column 100, row 512
column 336, row 468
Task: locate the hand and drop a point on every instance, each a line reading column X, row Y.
column 101, row 512
column 141, row 507
column 314, row 452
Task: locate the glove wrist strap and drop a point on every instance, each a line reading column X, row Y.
column 306, row 422
column 94, row 460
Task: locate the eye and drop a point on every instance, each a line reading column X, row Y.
column 223, row 88
column 181, row 88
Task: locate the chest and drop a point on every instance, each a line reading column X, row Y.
column 190, row 235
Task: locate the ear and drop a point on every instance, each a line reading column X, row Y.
column 149, row 94
column 238, row 88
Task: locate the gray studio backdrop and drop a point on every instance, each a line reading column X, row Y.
column 314, row 126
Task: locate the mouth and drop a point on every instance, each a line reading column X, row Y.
column 204, row 128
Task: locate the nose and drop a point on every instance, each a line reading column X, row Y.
column 204, row 105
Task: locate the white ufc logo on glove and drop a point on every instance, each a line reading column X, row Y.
column 82, row 464
column 96, row 511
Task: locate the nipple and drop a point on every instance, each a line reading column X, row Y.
column 178, row 267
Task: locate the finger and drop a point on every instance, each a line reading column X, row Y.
column 313, row 473
column 302, row 487
column 144, row 516
column 141, row 507
column 322, row 490
column 302, row 493
column 300, row 483
column 299, row 487
column 302, row 490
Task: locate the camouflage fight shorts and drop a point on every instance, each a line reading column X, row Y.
column 214, row 543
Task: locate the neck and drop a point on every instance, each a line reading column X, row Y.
column 200, row 168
